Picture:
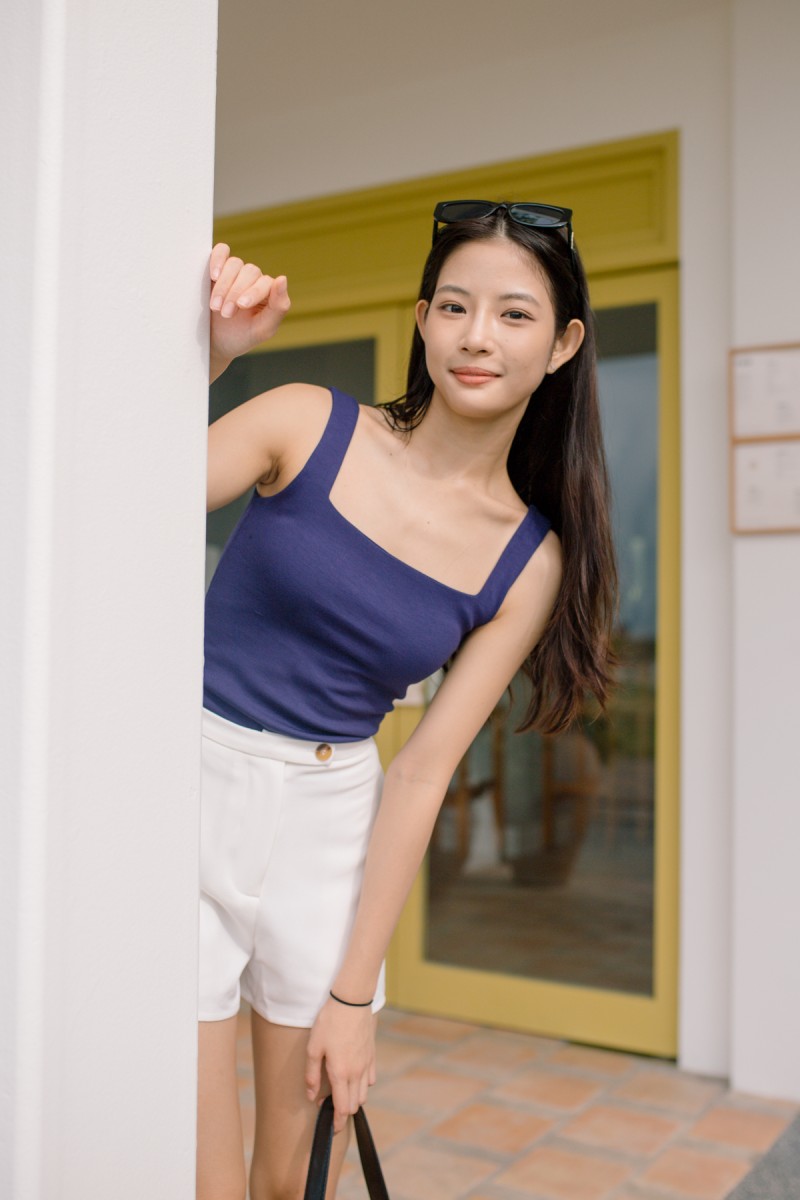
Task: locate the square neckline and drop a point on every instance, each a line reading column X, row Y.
column 334, row 427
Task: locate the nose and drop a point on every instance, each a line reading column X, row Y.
column 476, row 337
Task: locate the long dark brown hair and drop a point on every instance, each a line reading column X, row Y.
column 557, row 463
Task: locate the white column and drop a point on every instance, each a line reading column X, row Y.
column 766, row 650
column 701, row 88
column 106, row 219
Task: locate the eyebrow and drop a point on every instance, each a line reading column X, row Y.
column 520, row 296
column 460, row 291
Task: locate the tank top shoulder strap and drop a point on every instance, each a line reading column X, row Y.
column 518, row 552
column 323, row 465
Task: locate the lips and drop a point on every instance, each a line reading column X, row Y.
column 473, row 374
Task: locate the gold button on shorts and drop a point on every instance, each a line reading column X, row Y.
column 323, row 751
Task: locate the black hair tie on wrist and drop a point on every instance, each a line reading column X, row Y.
column 350, row 1003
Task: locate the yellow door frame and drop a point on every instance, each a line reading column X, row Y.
column 353, row 263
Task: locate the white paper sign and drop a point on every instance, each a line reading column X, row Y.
column 766, row 392
column 766, row 486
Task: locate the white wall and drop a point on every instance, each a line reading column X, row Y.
column 587, row 76
column 765, row 179
column 101, row 466
column 322, row 98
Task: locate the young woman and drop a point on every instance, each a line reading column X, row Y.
column 466, row 523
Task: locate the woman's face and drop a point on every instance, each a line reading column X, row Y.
column 489, row 330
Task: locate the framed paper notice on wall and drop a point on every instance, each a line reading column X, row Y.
column 765, row 439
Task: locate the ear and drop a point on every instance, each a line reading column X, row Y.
column 420, row 313
column 567, row 345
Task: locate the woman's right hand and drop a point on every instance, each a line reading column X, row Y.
column 343, row 1041
column 246, row 305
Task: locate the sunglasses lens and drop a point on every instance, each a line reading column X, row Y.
column 541, row 216
column 537, row 216
column 464, row 210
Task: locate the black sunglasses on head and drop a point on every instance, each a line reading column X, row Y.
column 538, row 216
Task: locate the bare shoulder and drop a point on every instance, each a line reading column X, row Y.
column 296, row 415
column 265, row 441
column 380, row 430
column 534, row 591
column 291, row 406
column 549, row 558
column 294, row 407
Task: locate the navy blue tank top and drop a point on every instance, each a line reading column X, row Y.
column 312, row 629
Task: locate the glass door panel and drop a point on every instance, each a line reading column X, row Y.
column 542, row 860
column 549, row 891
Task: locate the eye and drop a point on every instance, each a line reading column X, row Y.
column 452, row 306
column 516, row 314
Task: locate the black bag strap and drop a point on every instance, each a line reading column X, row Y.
column 370, row 1164
column 320, row 1162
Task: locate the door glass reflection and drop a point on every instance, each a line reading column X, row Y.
column 541, row 863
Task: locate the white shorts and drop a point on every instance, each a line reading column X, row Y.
column 283, row 838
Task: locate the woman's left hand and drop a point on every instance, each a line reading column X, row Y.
column 247, row 306
column 344, row 1039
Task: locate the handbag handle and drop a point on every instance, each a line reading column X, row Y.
column 317, row 1179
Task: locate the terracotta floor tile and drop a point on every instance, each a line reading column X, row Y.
column 567, row 1093
column 493, row 1055
column 426, row 1091
column 351, row 1184
column 396, row 1054
column 683, row 1094
column 561, row 1175
column 621, row 1129
column 695, row 1174
column 453, row 1097
column 600, row 1062
column 636, row 1193
column 389, row 1015
column 389, row 1127
column 493, row 1127
column 431, row 1029
column 483, row 1196
column 746, row 1130
column 422, row 1173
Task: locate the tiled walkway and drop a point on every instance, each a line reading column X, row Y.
column 464, row 1113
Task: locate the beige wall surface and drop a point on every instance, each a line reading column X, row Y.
column 765, row 178
column 316, row 98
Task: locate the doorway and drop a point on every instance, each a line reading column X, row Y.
column 549, row 899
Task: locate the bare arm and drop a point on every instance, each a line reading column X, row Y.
column 266, row 439
column 415, row 786
column 251, row 443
